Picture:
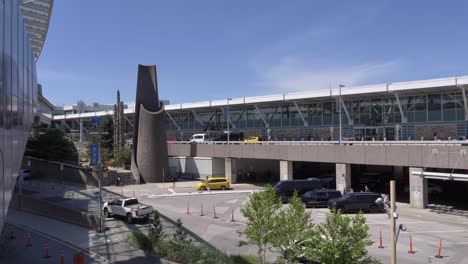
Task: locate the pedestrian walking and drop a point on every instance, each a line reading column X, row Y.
column 386, row 204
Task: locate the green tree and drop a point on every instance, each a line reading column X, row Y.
column 122, row 157
column 156, row 233
column 262, row 209
column 180, row 237
column 293, row 231
column 52, row 145
column 340, row 239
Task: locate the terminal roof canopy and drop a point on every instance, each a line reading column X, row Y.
column 36, row 16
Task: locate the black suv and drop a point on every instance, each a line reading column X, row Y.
column 358, row 201
column 285, row 189
column 319, row 197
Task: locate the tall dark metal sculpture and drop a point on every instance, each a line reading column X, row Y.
column 119, row 124
column 149, row 156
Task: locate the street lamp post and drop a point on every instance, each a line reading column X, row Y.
column 100, row 164
column 228, row 119
column 339, row 104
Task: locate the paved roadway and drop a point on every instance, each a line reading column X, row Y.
column 426, row 227
column 221, row 233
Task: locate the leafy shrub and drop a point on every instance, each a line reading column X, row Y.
column 141, row 241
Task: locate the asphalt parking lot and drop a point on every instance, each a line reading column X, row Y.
column 221, row 232
column 427, row 226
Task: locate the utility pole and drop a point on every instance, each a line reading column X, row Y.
column 339, row 104
column 393, row 220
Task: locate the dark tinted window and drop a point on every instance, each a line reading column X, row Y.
column 218, row 180
column 334, row 194
column 287, row 185
column 322, row 194
column 312, row 184
column 117, row 202
column 131, row 202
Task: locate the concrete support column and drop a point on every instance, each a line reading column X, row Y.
column 343, row 177
column 230, row 169
column 418, row 188
column 286, row 170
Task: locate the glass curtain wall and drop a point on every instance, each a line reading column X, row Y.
column 18, row 97
column 435, row 107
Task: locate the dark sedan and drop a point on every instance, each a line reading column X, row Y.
column 319, row 197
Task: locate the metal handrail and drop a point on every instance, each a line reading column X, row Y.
column 375, row 143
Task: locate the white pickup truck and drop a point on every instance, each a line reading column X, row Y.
column 130, row 208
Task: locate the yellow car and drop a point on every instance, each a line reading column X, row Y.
column 214, row 183
column 252, row 139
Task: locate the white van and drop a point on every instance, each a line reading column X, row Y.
column 199, row 138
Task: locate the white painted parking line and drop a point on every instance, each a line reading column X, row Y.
column 198, row 193
column 172, row 191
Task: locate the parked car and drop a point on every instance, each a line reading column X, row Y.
column 319, row 197
column 129, row 208
column 357, row 201
column 328, row 182
column 200, row 137
column 214, row 183
column 253, row 139
column 233, row 136
column 286, row 189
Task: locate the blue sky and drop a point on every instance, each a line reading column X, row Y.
column 207, row 50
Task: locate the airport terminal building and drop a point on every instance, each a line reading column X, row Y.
column 417, row 110
column 430, row 109
column 410, row 131
column 23, row 29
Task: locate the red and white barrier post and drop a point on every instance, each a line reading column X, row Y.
column 46, row 255
column 28, row 240
column 411, row 251
column 12, row 233
column 232, row 215
column 214, row 212
column 201, row 210
column 439, row 251
column 380, row 239
column 188, row 207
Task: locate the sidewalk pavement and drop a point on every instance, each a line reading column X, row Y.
column 107, row 247
column 439, row 213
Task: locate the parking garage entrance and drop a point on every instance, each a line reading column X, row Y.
column 446, row 193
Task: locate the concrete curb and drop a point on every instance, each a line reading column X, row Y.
column 199, row 193
column 87, row 252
